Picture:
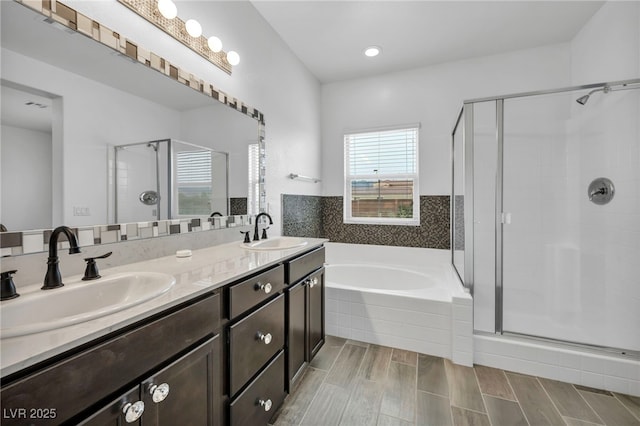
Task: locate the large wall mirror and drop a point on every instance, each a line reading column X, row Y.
column 68, row 100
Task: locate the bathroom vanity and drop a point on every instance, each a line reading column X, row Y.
column 222, row 347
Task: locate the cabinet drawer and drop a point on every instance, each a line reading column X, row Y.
column 253, row 341
column 76, row 383
column 302, row 266
column 259, row 402
column 251, row 292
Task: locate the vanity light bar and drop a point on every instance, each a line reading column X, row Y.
column 176, row 28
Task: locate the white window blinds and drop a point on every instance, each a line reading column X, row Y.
column 391, row 152
column 381, row 176
column 193, row 167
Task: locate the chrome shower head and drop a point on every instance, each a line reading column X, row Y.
column 583, row 99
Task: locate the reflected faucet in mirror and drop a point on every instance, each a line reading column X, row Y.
column 53, row 279
column 256, row 235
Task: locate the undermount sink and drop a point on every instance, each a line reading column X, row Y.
column 279, row 243
column 79, row 301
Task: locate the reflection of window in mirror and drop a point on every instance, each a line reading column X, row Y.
column 26, row 157
column 254, row 179
column 194, row 183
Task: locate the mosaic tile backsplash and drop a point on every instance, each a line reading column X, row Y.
column 35, row 241
column 302, row 215
column 322, row 217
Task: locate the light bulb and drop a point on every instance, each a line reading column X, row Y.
column 233, row 58
column 193, row 28
column 167, row 8
column 215, row 44
column 372, row 51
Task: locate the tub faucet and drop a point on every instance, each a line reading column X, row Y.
column 256, row 235
column 53, row 279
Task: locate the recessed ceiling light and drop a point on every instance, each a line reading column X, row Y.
column 372, row 51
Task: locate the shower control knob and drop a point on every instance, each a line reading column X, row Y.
column 264, row 287
column 132, row 412
column 159, row 392
column 265, row 338
column 265, row 404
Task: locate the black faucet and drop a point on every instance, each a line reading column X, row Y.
column 53, row 279
column 256, row 236
column 7, row 287
column 214, row 214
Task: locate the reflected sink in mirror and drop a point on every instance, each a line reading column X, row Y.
column 279, row 243
column 79, row 301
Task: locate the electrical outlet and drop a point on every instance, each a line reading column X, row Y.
column 81, row 211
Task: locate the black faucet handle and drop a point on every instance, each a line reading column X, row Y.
column 7, row 287
column 246, row 236
column 264, row 233
column 91, row 271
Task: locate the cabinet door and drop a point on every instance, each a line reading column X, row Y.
column 188, row 391
column 114, row 414
column 297, row 330
column 315, row 291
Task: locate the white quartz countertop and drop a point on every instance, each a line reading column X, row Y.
column 206, row 270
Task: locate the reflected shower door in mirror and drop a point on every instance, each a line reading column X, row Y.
column 106, row 99
column 168, row 179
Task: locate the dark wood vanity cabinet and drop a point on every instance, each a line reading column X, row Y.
column 305, row 312
column 315, row 313
column 72, row 389
column 186, row 392
column 224, row 358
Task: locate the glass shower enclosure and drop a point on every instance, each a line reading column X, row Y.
column 546, row 214
column 168, row 179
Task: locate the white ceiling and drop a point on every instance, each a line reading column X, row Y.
column 329, row 36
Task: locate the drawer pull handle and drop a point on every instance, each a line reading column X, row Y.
column 265, row 338
column 159, row 392
column 313, row 282
column 264, row 287
column 265, row 404
column 132, row 412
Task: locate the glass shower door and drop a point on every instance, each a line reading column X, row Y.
column 569, row 265
column 137, row 190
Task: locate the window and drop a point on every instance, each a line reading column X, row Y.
column 253, row 201
column 194, row 182
column 381, row 177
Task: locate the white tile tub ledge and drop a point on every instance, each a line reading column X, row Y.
column 402, row 297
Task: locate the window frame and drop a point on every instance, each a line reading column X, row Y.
column 348, row 217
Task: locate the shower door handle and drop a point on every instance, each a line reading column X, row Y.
column 505, row 218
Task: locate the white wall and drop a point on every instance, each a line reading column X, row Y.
column 269, row 78
column 432, row 96
column 607, row 48
column 26, row 178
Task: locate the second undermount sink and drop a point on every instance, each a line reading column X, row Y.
column 278, row 243
column 79, row 301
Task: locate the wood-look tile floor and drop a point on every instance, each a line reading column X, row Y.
column 352, row 383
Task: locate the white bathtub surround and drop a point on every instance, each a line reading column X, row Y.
column 401, row 297
column 559, row 362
